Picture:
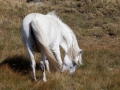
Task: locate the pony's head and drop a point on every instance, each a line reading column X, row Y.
column 70, row 63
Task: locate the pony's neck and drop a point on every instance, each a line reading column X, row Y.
column 72, row 47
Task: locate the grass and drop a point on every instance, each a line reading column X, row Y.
column 96, row 25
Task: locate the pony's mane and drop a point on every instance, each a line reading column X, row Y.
column 53, row 14
column 73, row 50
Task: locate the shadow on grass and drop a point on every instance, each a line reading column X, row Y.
column 19, row 64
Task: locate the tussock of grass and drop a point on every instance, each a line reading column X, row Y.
column 95, row 23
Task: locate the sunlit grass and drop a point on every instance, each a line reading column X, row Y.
column 95, row 23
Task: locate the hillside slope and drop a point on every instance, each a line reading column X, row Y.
column 96, row 23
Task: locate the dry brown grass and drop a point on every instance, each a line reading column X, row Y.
column 96, row 24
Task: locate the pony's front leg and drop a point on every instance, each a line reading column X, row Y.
column 58, row 56
column 32, row 62
column 43, row 70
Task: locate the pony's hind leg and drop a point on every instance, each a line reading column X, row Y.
column 32, row 60
column 43, row 70
column 44, row 64
column 47, row 65
column 45, row 61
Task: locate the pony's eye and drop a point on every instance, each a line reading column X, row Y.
column 65, row 64
column 74, row 63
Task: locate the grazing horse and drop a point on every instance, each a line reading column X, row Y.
column 47, row 33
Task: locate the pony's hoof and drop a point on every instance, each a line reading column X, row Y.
column 44, row 79
column 81, row 63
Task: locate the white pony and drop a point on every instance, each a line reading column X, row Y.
column 46, row 33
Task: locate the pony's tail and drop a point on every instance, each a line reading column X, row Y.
column 40, row 40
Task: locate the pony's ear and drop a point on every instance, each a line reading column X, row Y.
column 81, row 51
column 80, row 57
